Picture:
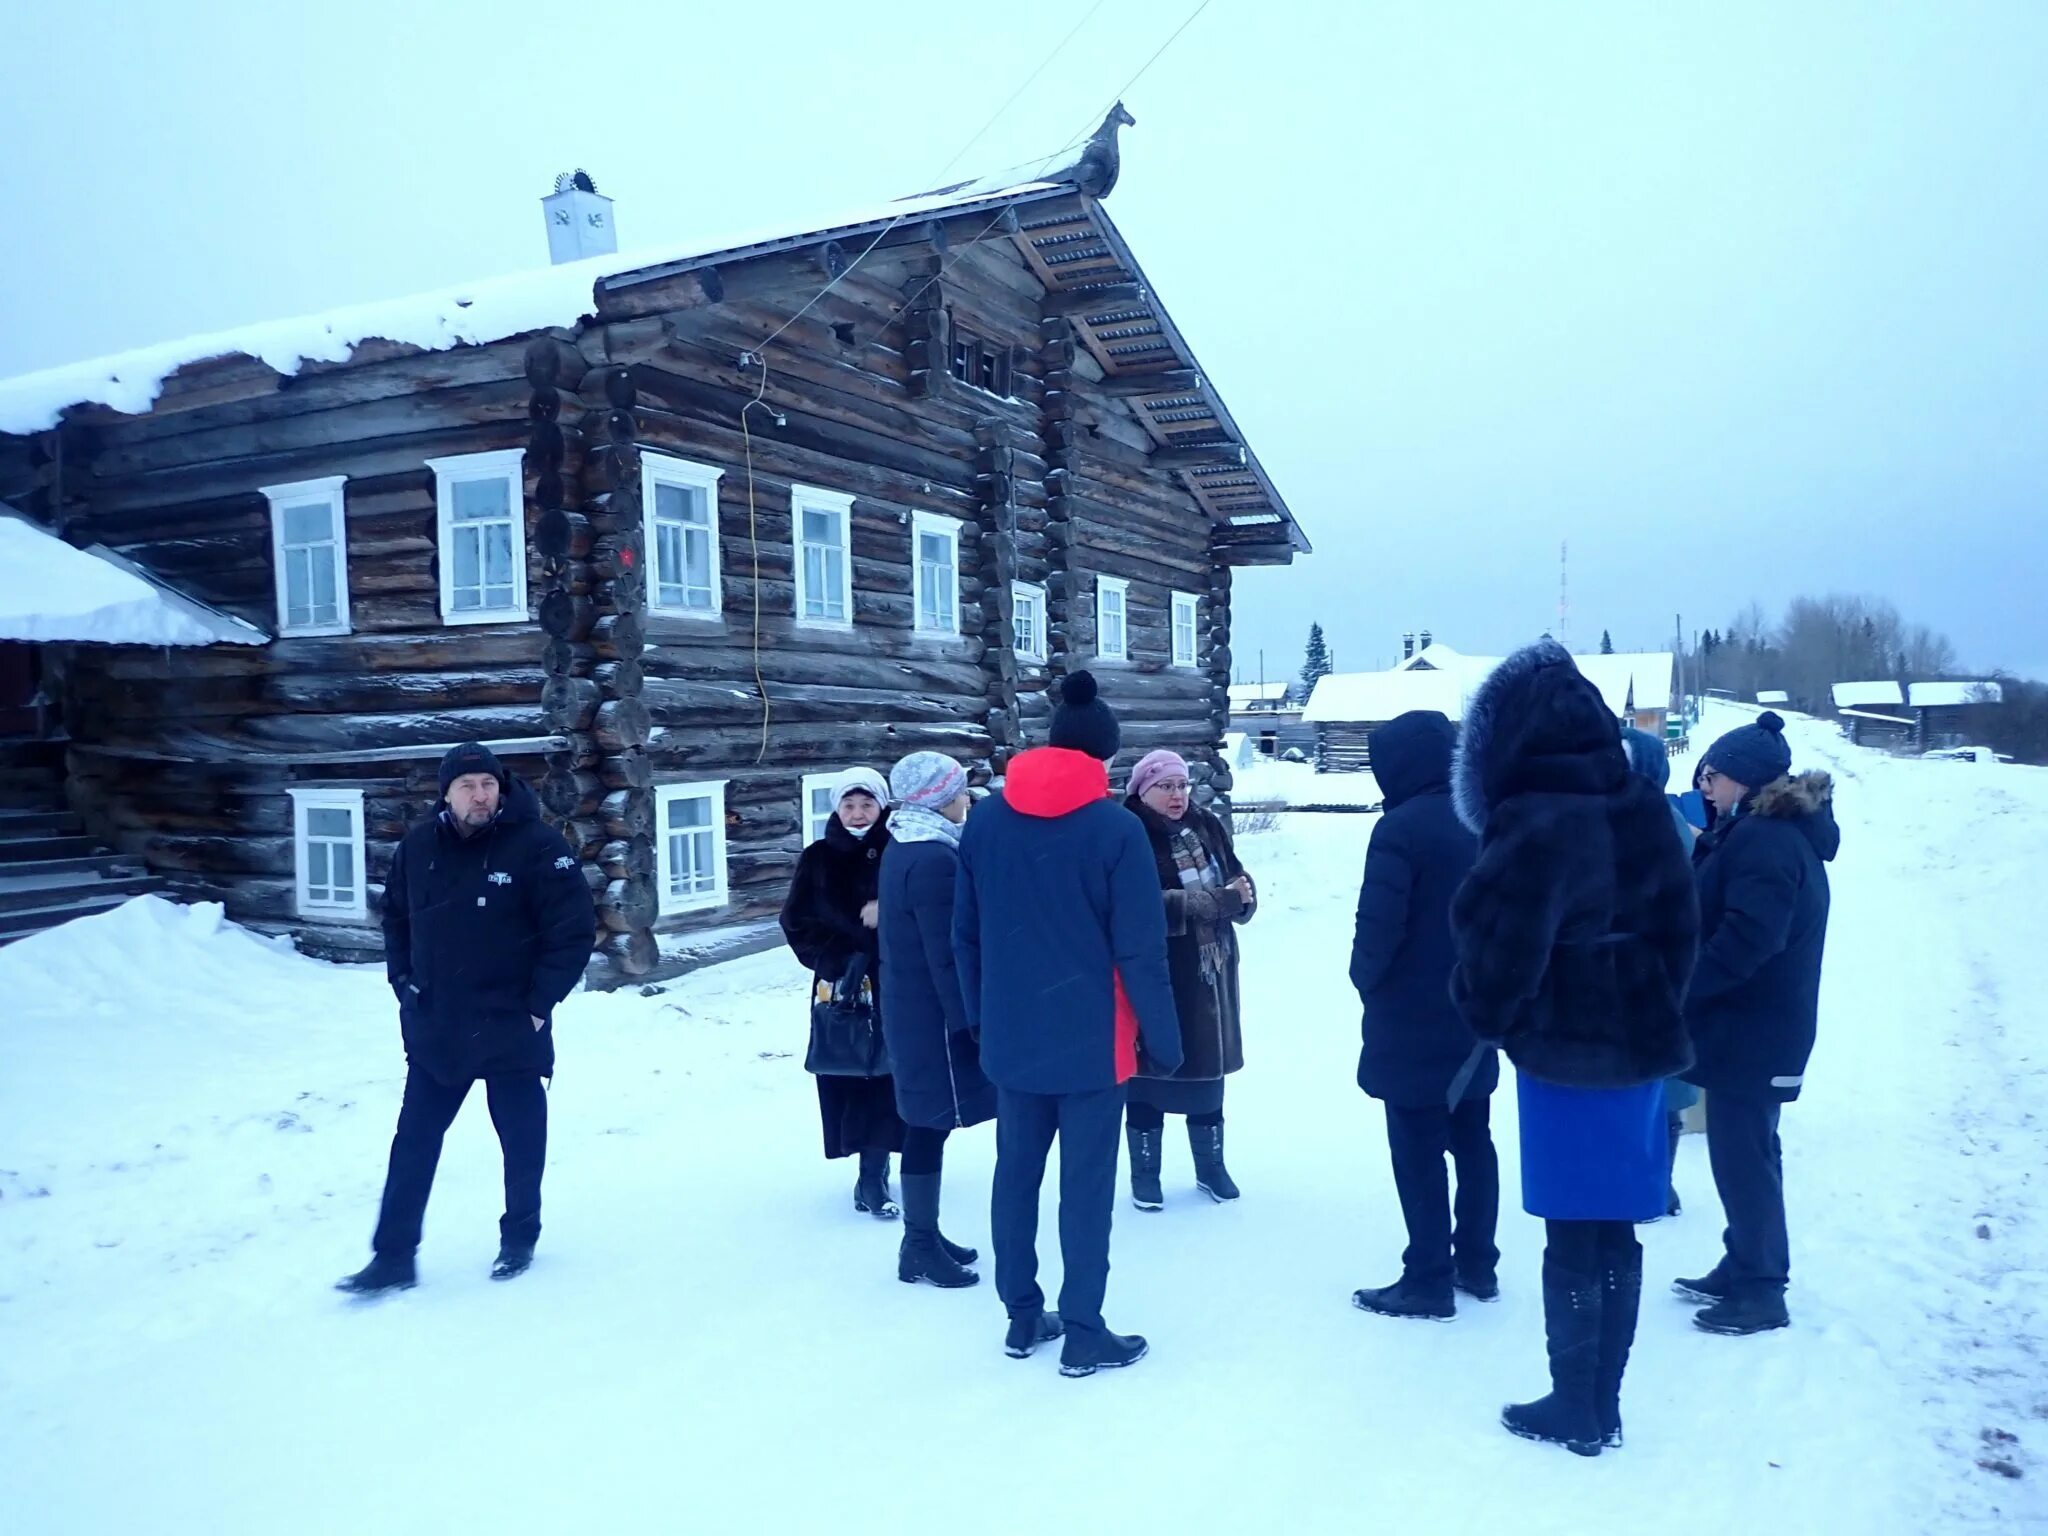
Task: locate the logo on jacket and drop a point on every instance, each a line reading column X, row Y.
column 566, row 861
column 499, row 877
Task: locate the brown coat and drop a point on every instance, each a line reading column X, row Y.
column 1211, row 1023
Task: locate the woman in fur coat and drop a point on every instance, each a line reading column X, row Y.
column 1576, row 934
column 831, row 916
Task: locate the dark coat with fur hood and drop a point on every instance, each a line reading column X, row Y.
column 1763, row 881
column 1577, row 928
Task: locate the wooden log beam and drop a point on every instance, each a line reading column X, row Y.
column 1093, row 301
column 1165, row 381
column 1204, row 456
column 632, row 769
column 628, row 813
column 570, row 703
column 633, row 953
column 628, row 905
column 627, row 858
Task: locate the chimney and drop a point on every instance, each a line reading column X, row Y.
column 579, row 219
column 1425, row 640
column 1407, row 646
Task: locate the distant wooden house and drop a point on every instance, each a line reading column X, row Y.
column 676, row 535
column 1269, row 716
column 1942, row 711
column 1873, row 713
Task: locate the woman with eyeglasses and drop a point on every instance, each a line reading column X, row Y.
column 1207, row 893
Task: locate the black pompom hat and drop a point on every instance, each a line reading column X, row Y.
column 1083, row 723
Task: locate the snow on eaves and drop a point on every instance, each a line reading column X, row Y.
column 50, row 591
column 1860, row 695
column 1945, row 695
column 472, row 313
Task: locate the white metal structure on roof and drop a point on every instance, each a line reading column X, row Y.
column 50, row 591
column 1862, row 695
column 1944, row 695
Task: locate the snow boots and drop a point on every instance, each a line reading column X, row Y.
column 1211, row 1177
column 1145, row 1156
column 1709, row 1288
column 1621, row 1301
column 514, row 1260
column 1028, row 1330
column 871, row 1189
column 386, row 1272
column 1675, row 1125
column 1745, row 1310
column 1484, row 1287
column 923, row 1254
column 1088, row 1350
column 1406, row 1298
column 1571, row 1325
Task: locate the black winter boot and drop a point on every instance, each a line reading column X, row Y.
column 1211, row 1177
column 1745, row 1310
column 386, row 1272
column 1621, row 1299
column 959, row 1253
column 514, row 1260
column 871, row 1189
column 1676, row 1125
column 1146, row 1147
column 921, row 1257
column 1571, row 1327
column 1484, row 1287
column 1088, row 1350
column 1710, row 1287
column 1028, row 1330
column 1405, row 1298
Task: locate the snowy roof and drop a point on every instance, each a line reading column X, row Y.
column 1939, row 695
column 1871, row 714
column 51, row 591
column 1257, row 693
column 1773, row 696
column 1847, row 695
column 1374, row 697
column 1437, row 654
column 484, row 311
column 1646, row 674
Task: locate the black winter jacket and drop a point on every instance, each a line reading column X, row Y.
column 1577, row 928
column 1415, row 1040
column 932, row 1053
column 835, row 877
column 482, row 935
column 1754, row 1004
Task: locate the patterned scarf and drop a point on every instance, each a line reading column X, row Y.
column 1191, row 860
column 922, row 824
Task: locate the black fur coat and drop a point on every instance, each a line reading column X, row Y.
column 1578, row 926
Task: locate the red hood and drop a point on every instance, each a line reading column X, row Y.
column 1055, row 781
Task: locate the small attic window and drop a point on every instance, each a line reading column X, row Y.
column 983, row 364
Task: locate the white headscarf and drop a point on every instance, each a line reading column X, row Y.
column 866, row 780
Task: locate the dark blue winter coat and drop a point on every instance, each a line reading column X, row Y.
column 1755, row 1000
column 482, row 935
column 932, row 1053
column 1415, row 1041
column 1060, row 933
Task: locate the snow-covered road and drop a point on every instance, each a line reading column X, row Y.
column 192, row 1131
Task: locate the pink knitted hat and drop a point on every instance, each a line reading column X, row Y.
column 1154, row 766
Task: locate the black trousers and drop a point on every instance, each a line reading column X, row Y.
column 1150, row 1117
column 1419, row 1138
column 519, row 1110
column 1089, row 1127
column 1749, row 1173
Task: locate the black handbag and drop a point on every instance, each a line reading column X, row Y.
column 846, row 1028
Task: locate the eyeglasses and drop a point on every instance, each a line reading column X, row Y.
column 1707, row 777
column 1172, row 786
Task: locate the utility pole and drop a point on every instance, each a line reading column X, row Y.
column 1564, row 607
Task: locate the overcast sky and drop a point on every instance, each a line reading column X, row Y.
column 1741, row 302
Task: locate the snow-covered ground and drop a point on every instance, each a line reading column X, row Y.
column 1271, row 782
column 192, row 1131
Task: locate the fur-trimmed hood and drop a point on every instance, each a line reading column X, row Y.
column 1534, row 725
column 1807, row 800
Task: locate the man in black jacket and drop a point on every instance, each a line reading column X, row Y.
column 1754, row 1004
column 1417, row 1048
column 487, row 926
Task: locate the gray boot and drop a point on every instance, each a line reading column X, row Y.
column 1211, row 1177
column 1146, row 1194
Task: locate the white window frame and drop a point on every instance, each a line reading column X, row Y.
column 507, row 465
column 1185, row 602
column 810, row 498
column 325, row 492
column 665, row 795
column 1025, row 594
column 1104, row 585
column 815, row 827
column 659, row 469
column 308, row 800
column 947, row 528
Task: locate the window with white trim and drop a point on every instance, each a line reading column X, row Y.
column 481, row 501
column 679, row 505
column 823, row 531
column 1112, row 619
column 1184, row 630
column 1027, row 621
column 935, row 573
column 817, row 808
column 309, row 555
column 327, row 852
column 689, row 846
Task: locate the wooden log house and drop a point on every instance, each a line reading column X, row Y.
column 676, row 590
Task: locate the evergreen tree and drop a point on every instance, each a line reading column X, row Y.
column 1317, row 662
column 1606, row 643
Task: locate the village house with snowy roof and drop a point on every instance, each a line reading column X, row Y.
column 678, row 535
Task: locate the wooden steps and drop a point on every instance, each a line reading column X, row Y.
column 51, row 870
